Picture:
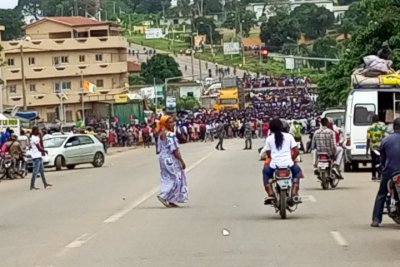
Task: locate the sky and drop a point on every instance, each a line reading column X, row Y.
column 8, row 3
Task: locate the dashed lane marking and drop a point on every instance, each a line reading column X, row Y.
column 78, row 242
column 339, row 239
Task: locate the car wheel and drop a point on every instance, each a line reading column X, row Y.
column 98, row 160
column 70, row 167
column 59, row 163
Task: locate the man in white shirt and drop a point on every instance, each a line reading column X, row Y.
column 37, row 151
column 282, row 149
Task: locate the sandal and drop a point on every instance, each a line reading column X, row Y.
column 164, row 202
column 173, row 205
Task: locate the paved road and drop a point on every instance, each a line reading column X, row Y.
column 184, row 60
column 110, row 217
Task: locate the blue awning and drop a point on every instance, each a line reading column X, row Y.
column 28, row 115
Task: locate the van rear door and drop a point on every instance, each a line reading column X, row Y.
column 364, row 107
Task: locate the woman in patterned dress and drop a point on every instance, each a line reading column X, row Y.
column 173, row 179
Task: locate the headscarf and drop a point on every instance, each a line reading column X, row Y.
column 163, row 121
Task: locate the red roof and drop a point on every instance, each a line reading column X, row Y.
column 133, row 67
column 75, row 21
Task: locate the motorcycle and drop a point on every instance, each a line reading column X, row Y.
column 392, row 204
column 7, row 169
column 282, row 185
column 325, row 173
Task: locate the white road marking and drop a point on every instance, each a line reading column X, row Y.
column 78, row 242
column 339, row 239
column 115, row 217
column 308, row 198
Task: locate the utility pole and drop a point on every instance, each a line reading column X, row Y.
column 155, row 93
column 21, row 54
column 82, row 100
column 76, row 8
column 201, row 76
column 241, row 40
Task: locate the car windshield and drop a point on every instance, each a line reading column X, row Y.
column 54, row 142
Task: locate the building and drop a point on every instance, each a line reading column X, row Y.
column 58, row 53
column 339, row 12
column 1, row 70
column 269, row 9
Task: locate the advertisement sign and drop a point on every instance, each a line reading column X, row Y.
column 231, row 48
column 153, row 33
column 289, row 63
column 170, row 104
column 191, row 91
column 148, row 92
column 121, row 98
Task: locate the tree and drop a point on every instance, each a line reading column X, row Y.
column 203, row 26
column 313, row 21
column 13, row 21
column 247, row 18
column 383, row 24
column 324, row 47
column 187, row 103
column 278, row 30
column 159, row 67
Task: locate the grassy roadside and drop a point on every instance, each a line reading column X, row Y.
column 271, row 67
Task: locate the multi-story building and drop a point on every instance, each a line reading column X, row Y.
column 1, row 72
column 58, row 53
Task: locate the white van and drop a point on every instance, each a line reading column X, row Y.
column 337, row 115
column 363, row 103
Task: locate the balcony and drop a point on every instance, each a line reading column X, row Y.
column 65, row 70
column 69, row 44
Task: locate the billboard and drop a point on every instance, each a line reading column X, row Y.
column 153, row 33
column 231, row 48
column 289, row 63
column 170, row 104
column 187, row 91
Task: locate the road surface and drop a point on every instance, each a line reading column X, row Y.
column 110, row 217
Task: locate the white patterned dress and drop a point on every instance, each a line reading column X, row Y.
column 174, row 187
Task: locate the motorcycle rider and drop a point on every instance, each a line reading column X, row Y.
column 324, row 141
column 390, row 160
column 13, row 147
column 282, row 149
column 376, row 132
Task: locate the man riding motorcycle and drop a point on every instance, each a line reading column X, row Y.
column 324, row 141
column 390, row 160
column 13, row 147
column 283, row 150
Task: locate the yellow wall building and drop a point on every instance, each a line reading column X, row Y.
column 59, row 52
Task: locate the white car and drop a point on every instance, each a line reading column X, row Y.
column 71, row 150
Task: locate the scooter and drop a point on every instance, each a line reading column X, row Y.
column 392, row 204
column 378, row 166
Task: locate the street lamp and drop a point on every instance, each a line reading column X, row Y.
column 211, row 37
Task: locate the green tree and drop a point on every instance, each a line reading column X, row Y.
column 278, row 30
column 187, row 103
column 313, row 21
column 383, row 24
column 160, row 67
column 324, row 47
column 203, row 26
column 13, row 21
column 247, row 18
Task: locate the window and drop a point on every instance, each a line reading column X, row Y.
column 99, row 57
column 64, row 59
column 32, row 87
column 228, row 101
column 85, row 140
column 66, row 85
column 82, row 58
column 73, row 141
column 56, row 61
column 68, row 115
column 57, row 87
column 10, row 62
column 51, row 116
column 363, row 114
column 31, row 60
column 12, row 88
column 100, row 83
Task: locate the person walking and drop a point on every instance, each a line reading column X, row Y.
column 37, row 152
column 174, row 187
column 375, row 133
column 248, row 134
column 221, row 134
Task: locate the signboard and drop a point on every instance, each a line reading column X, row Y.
column 121, row 98
column 289, row 63
column 170, row 104
column 153, row 33
column 148, row 92
column 188, row 91
column 231, row 48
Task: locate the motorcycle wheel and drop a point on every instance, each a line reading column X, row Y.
column 324, row 180
column 334, row 182
column 282, row 204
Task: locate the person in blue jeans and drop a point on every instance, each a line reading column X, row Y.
column 37, row 151
column 390, row 160
column 282, row 149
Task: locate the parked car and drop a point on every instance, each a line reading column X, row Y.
column 71, row 150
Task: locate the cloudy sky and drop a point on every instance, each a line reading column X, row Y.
column 8, row 3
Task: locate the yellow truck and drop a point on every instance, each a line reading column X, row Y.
column 230, row 95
